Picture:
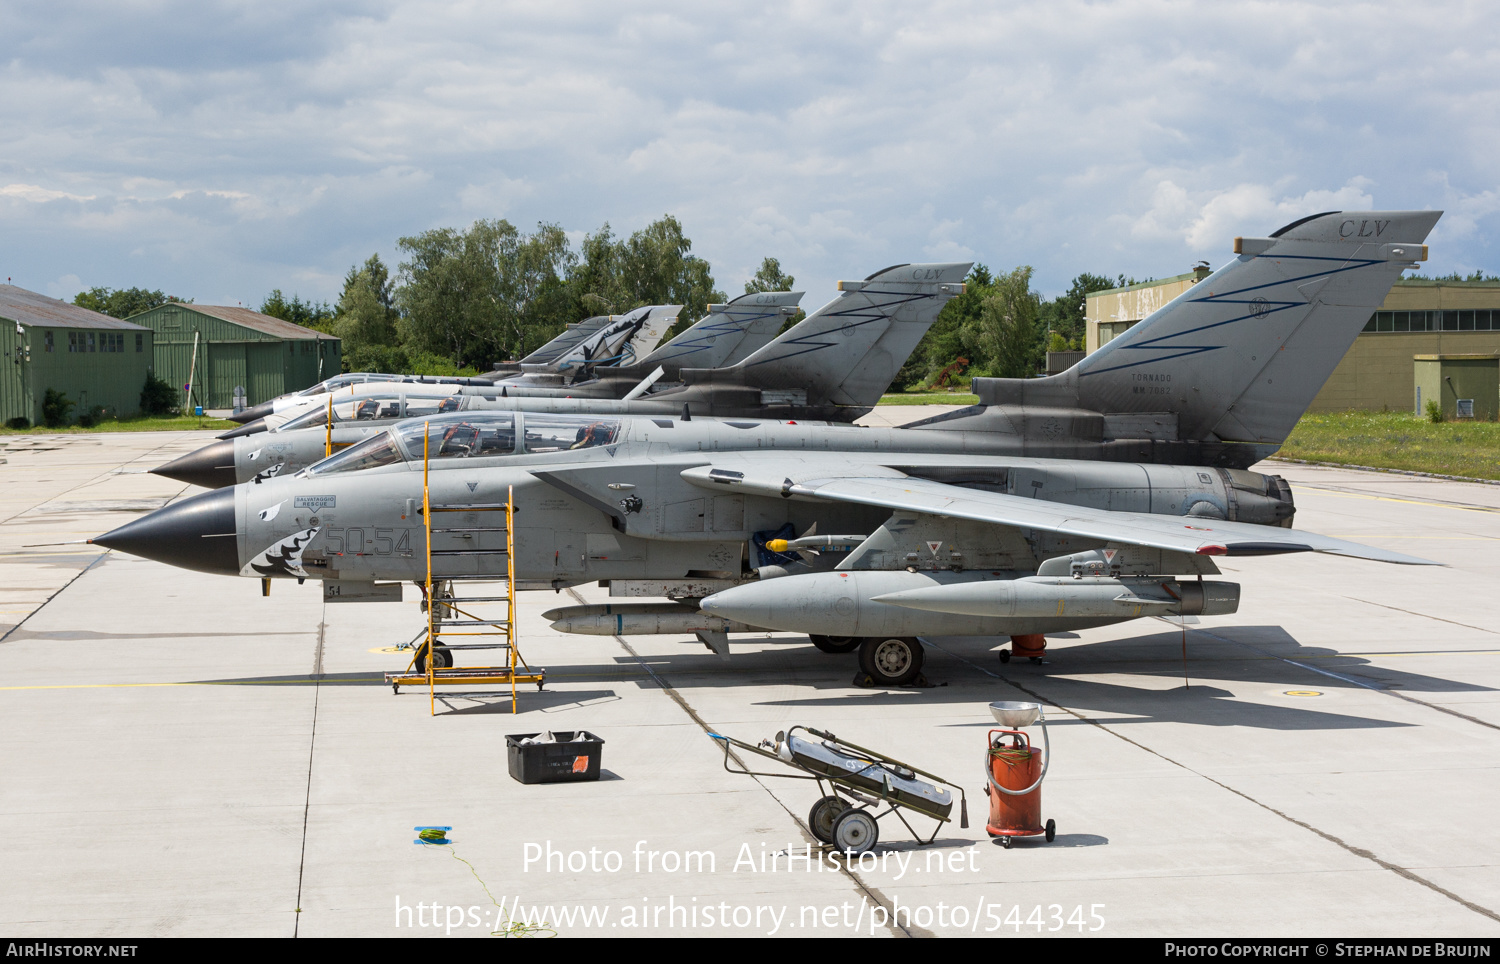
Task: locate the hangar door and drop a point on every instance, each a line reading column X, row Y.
column 264, row 360
column 226, row 366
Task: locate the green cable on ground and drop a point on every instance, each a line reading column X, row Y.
column 509, row 928
column 1011, row 754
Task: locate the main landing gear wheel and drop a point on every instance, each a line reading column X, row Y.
column 823, row 815
column 855, row 832
column 891, row 660
column 835, row 644
column 442, row 660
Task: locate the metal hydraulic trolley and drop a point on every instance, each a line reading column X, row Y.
column 853, row 779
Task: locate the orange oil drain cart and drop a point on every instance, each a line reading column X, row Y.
column 1014, row 772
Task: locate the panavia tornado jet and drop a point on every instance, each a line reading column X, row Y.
column 1216, row 378
column 832, row 365
column 345, row 382
column 863, row 337
column 595, row 342
column 863, row 539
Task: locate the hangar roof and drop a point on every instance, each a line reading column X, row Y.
column 248, row 318
column 30, row 308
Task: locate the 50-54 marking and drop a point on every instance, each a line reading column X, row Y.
column 354, row 541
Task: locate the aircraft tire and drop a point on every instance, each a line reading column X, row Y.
column 444, row 658
column 836, row 644
column 891, row 660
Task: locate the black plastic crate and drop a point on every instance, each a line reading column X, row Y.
column 573, row 758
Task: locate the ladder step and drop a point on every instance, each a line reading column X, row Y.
column 469, row 578
column 472, row 599
column 470, row 622
column 470, row 507
column 468, row 552
column 476, row 645
column 472, row 529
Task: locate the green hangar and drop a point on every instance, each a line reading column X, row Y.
column 235, row 347
column 95, row 360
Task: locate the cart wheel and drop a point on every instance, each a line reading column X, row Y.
column 1051, row 830
column 443, row 661
column 836, row 644
column 1006, row 841
column 891, row 660
column 855, row 831
column 1004, row 655
column 823, row 815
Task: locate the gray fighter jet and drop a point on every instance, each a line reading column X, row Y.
column 595, row 342
column 863, row 336
column 857, row 545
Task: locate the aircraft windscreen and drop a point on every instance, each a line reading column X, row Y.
column 369, row 453
column 309, row 419
column 559, row 433
column 470, row 436
column 337, row 382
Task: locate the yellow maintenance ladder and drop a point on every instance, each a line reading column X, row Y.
column 444, row 611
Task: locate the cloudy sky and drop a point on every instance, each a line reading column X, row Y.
column 218, row 150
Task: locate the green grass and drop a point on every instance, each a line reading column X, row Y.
column 181, row 423
column 929, row 398
column 1391, row 440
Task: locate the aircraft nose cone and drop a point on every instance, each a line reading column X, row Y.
column 196, row 533
column 249, row 428
column 211, row 466
column 252, row 413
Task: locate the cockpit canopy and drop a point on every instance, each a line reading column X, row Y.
column 385, row 405
column 472, row 435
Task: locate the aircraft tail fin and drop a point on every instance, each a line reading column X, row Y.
column 848, row 351
column 617, row 340
column 658, row 320
column 571, row 336
column 728, row 333
column 1240, row 356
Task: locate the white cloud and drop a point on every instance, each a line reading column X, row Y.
column 243, row 147
column 37, row 194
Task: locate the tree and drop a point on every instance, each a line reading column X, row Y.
column 769, row 278
column 487, row 293
column 157, row 396
column 55, row 408
column 124, row 302
column 651, row 267
column 308, row 314
column 944, row 341
column 1006, row 332
column 1065, row 313
column 365, row 320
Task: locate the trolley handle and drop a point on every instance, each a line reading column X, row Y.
column 1046, row 762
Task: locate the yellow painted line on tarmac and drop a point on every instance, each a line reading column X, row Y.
column 285, row 682
column 1438, row 652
